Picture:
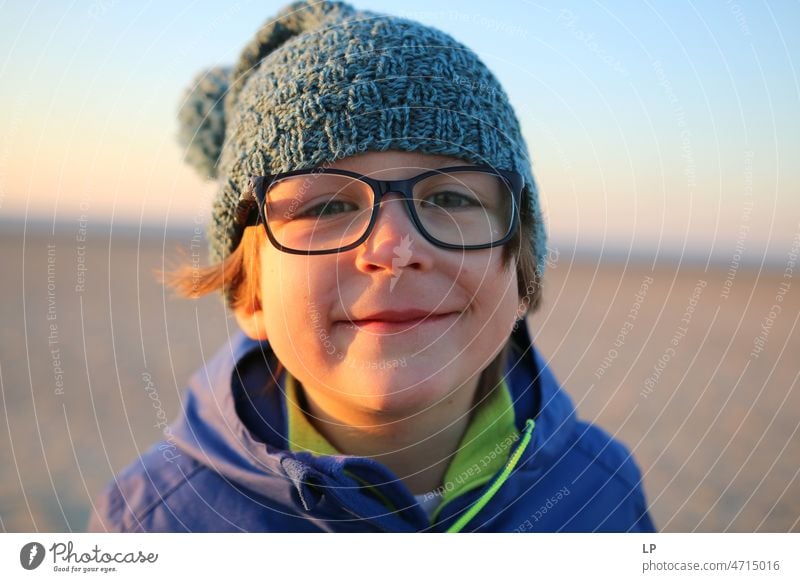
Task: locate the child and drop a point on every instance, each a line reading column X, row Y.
column 378, row 237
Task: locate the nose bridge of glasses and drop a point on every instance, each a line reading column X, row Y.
column 388, row 189
column 397, row 194
column 391, row 199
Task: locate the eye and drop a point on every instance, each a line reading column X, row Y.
column 329, row 208
column 449, row 199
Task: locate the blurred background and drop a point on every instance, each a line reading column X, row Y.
column 664, row 139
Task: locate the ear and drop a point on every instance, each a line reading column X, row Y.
column 251, row 320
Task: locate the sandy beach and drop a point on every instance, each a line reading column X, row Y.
column 690, row 366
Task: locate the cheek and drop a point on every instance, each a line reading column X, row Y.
column 497, row 307
column 501, row 309
column 277, row 283
column 506, row 308
column 295, row 308
column 494, row 287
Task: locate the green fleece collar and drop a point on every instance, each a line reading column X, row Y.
column 482, row 453
column 303, row 437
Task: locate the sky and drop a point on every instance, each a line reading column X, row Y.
column 665, row 128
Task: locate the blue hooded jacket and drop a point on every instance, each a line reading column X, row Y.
column 227, row 465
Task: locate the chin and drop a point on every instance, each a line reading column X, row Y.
column 394, row 392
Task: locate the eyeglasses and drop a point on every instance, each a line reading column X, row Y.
column 323, row 210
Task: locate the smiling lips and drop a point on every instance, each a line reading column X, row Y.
column 393, row 321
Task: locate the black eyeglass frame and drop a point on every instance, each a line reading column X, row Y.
column 513, row 180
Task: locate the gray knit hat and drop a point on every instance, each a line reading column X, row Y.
column 322, row 81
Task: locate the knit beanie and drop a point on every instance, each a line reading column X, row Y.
column 322, row 81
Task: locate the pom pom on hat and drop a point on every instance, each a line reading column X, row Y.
column 202, row 119
column 202, row 112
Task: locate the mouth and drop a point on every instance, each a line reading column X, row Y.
column 398, row 323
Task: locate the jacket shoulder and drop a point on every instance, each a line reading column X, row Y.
column 611, row 467
column 608, row 454
column 127, row 502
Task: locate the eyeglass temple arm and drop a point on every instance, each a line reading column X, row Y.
column 248, row 202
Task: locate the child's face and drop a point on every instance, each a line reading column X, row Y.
column 307, row 300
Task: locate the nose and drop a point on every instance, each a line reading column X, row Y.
column 394, row 243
